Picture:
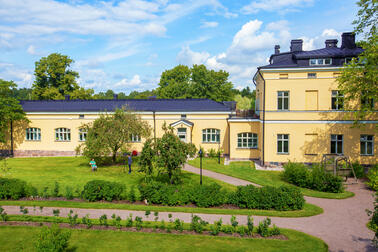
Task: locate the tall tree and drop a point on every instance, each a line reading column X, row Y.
column 54, row 79
column 359, row 78
column 195, row 82
column 10, row 108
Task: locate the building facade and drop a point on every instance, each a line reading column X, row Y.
column 299, row 115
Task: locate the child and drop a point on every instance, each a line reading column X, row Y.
column 93, row 165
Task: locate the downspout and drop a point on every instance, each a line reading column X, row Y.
column 263, row 118
column 153, row 112
column 11, row 128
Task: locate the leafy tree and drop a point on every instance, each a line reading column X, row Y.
column 147, row 157
column 359, row 78
column 195, row 82
column 242, row 103
column 22, row 93
column 54, row 79
column 141, row 95
column 10, row 109
column 111, row 133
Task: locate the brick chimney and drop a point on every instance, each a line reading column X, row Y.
column 348, row 40
column 331, row 43
column 277, row 49
column 296, row 45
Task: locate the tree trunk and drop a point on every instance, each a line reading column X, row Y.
column 114, row 157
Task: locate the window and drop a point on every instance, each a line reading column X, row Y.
column 336, row 144
column 81, row 116
column 367, row 103
column 183, row 116
column 62, row 134
column 82, row 135
column 283, row 144
column 247, row 140
column 367, row 144
column 320, row 62
column 135, row 138
column 337, row 100
column 211, row 135
column 284, row 76
column 283, row 100
column 33, row 134
column 348, row 60
column 181, row 133
column 311, row 75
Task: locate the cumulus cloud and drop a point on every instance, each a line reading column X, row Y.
column 188, row 57
column 23, row 77
column 311, row 43
column 135, row 81
column 209, row 24
column 275, row 5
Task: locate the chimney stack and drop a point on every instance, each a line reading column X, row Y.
column 115, row 97
column 331, row 43
column 296, row 45
column 348, row 40
column 277, row 49
column 67, row 97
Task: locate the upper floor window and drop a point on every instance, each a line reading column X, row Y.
column 283, row 100
column 347, row 60
column 337, row 144
column 311, row 75
column 367, row 103
column 82, row 135
column 282, row 143
column 320, row 62
column 247, row 140
column 62, row 134
column 211, row 135
column 367, row 144
column 33, row 134
column 337, row 100
column 135, row 138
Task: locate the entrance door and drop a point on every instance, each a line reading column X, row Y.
column 181, row 133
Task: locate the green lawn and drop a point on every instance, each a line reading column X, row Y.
column 246, row 171
column 21, row 239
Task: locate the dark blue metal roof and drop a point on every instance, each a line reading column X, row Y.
column 158, row 105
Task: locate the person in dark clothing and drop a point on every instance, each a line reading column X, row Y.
column 129, row 161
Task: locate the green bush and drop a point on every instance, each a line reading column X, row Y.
column 373, row 177
column 212, row 153
column 102, row 190
column 278, row 198
column 52, row 239
column 315, row 178
column 208, row 195
column 197, row 224
column 358, row 170
column 15, row 189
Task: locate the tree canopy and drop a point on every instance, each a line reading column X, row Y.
column 10, row 108
column 196, row 82
column 54, row 79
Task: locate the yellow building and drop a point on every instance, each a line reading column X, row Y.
column 299, row 115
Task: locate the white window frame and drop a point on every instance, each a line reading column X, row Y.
column 312, row 75
column 364, row 140
column 336, row 96
column 247, row 140
column 33, row 134
column 181, row 133
column 283, row 95
column 62, row 134
column 135, row 138
column 211, row 135
column 82, row 135
column 337, row 141
column 320, row 62
column 281, row 139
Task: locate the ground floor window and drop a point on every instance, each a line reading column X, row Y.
column 247, row 140
column 282, row 143
column 82, row 135
column 211, row 135
column 181, row 133
column 336, row 144
column 367, row 144
column 62, row 134
column 33, row 134
column 135, row 138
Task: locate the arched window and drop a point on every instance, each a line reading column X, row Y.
column 211, row 135
column 82, row 135
column 62, row 134
column 33, row 134
column 247, row 140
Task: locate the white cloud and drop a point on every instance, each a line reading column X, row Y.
column 330, row 33
column 21, row 76
column 188, row 57
column 275, row 5
column 209, row 24
column 311, row 43
column 31, row 50
column 135, row 81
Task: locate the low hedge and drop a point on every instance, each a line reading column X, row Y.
column 278, row 198
column 102, row 190
column 315, row 178
column 15, row 189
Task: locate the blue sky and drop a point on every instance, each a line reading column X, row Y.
column 126, row 45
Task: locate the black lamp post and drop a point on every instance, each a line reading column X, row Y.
column 218, row 153
column 200, row 154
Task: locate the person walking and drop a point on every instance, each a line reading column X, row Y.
column 129, row 161
column 93, row 165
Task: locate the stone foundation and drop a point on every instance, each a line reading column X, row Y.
column 43, row 153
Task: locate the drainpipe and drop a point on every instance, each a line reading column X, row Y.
column 263, row 118
column 153, row 112
column 11, row 129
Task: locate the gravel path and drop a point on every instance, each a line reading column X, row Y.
column 342, row 225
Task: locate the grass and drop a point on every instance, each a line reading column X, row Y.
column 246, row 171
column 19, row 238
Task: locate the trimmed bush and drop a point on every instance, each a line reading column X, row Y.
column 279, row 198
column 15, row 189
column 373, row 178
column 208, row 195
column 102, row 190
column 315, row 178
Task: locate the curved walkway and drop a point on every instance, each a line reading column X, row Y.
column 342, row 225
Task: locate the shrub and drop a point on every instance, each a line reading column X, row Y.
column 131, row 196
column 358, row 170
column 129, row 221
column 116, row 221
column 52, row 239
column 250, row 225
column 207, row 195
column 86, row 221
column 242, row 230
column 55, row 192
column 3, row 214
column 102, row 190
column 162, row 225
column 234, row 222
column 72, row 219
column 69, row 193
column 56, row 212
column 103, row 220
column 179, row 225
column 216, row 227
column 138, row 222
column 263, row 228
column 212, row 153
column 197, row 224
column 316, row 178
column 279, row 198
column 14, row 189
column 373, row 178
column 45, row 193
